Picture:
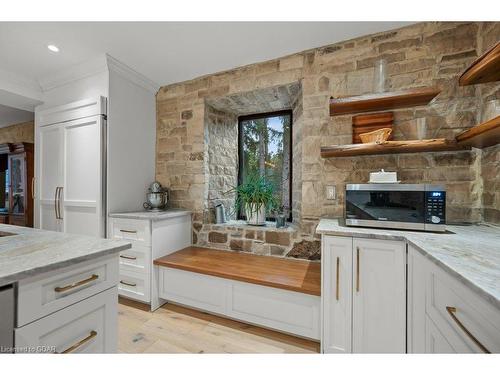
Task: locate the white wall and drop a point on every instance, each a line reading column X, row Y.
column 131, row 143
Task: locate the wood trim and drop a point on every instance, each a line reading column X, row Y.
column 289, row 274
column 486, row 68
column 382, row 101
column 483, row 135
column 392, row 147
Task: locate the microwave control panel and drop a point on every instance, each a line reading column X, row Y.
column 435, row 207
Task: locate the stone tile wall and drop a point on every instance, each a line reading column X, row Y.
column 425, row 54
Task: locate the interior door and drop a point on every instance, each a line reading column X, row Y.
column 379, row 296
column 50, row 145
column 336, row 290
column 82, row 196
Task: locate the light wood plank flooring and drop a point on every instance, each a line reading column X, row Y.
column 176, row 329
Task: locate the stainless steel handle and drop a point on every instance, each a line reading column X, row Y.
column 129, row 284
column 55, row 202
column 357, row 269
column 452, row 310
column 337, row 286
column 72, row 348
column 128, row 231
column 59, row 200
column 60, row 289
column 128, row 257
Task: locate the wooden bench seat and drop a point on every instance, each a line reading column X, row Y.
column 290, row 274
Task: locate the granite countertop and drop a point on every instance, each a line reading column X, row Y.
column 33, row 251
column 469, row 253
column 151, row 215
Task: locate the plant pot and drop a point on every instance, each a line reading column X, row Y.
column 257, row 216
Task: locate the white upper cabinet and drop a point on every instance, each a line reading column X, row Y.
column 379, row 298
column 364, row 295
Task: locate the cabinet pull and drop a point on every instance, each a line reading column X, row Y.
column 128, row 257
column 55, row 202
column 72, row 348
column 128, row 231
column 357, row 269
column 338, row 286
column 129, row 284
column 32, row 187
column 452, row 310
column 60, row 289
column 59, row 202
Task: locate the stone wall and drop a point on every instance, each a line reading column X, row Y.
column 23, row 132
column 221, row 140
column 425, row 54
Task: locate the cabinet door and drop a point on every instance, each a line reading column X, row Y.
column 83, row 189
column 17, row 182
column 49, row 170
column 379, row 296
column 435, row 342
column 336, row 291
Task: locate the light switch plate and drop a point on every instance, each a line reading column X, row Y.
column 330, row 192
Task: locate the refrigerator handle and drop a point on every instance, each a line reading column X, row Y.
column 59, row 202
column 55, row 202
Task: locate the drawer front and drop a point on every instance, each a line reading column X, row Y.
column 44, row 294
column 89, row 326
column 192, row 289
column 467, row 322
column 136, row 259
column 435, row 342
column 286, row 311
column 135, row 285
column 131, row 230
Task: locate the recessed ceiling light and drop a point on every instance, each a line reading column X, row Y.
column 53, row 48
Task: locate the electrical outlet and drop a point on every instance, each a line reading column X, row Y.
column 330, row 192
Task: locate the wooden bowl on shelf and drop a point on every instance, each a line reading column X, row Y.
column 376, row 136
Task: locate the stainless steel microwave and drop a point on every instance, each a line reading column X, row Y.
column 398, row 206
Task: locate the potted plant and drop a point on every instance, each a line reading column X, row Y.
column 255, row 196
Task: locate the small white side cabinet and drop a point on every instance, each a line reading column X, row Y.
column 363, row 295
column 446, row 316
column 152, row 235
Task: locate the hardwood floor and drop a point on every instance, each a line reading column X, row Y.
column 176, row 329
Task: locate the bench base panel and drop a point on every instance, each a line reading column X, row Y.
column 282, row 310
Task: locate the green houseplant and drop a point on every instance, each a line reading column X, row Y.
column 255, row 195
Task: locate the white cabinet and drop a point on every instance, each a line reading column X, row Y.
column 364, row 295
column 70, row 166
column 150, row 239
column 453, row 317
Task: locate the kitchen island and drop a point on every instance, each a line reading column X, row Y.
column 58, row 291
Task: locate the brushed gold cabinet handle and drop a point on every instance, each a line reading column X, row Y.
column 32, row 187
column 128, row 231
column 129, row 284
column 452, row 310
column 128, row 257
column 72, row 348
column 60, row 289
column 337, row 287
column 357, row 269
column 55, row 202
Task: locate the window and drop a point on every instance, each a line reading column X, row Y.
column 265, row 149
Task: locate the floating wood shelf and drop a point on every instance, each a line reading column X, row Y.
column 382, row 101
column 482, row 135
column 484, row 69
column 393, row 147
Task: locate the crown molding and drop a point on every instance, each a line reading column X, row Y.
column 74, row 73
column 131, row 75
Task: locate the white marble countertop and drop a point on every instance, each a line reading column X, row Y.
column 469, row 253
column 33, row 251
column 151, row 215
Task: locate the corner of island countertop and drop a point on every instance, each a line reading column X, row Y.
column 26, row 252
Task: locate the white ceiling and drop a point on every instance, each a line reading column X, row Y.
column 11, row 116
column 166, row 52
